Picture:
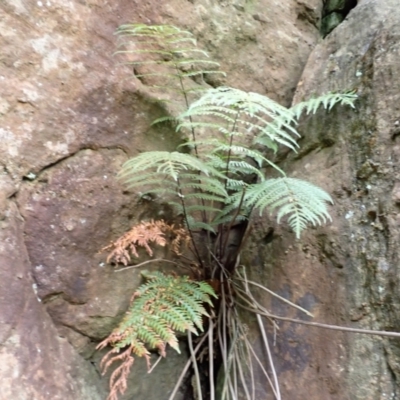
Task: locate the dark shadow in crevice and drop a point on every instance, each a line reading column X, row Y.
column 333, row 13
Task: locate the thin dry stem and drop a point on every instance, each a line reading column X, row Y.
column 271, row 361
column 211, row 357
column 186, row 367
column 278, row 297
column 261, row 366
column 148, row 262
column 195, row 366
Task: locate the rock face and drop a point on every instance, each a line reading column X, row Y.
column 347, row 273
column 69, row 119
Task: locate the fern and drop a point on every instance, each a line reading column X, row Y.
column 168, row 47
column 183, row 177
column 160, row 307
column 201, row 185
column 242, row 113
column 300, row 201
column 328, row 101
column 215, row 183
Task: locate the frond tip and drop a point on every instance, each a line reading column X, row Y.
column 328, row 101
column 164, row 52
column 301, row 202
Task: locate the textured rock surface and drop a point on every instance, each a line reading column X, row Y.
column 68, row 119
column 347, row 273
column 35, row 362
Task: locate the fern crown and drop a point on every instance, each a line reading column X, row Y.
column 238, row 125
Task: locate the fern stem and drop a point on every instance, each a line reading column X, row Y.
column 241, row 374
column 185, row 216
column 222, row 323
column 246, row 354
column 278, row 297
column 148, row 262
column 325, row 326
column 234, row 345
column 185, row 368
column 223, row 249
column 230, row 149
column 230, row 385
column 203, row 212
column 211, row 357
column 155, row 365
column 275, row 388
column 187, row 107
column 252, row 303
column 195, row 367
column 271, row 362
column 261, row 367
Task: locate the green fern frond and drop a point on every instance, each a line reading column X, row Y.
column 204, row 196
column 194, row 224
column 266, row 142
column 201, row 185
column 191, row 124
column 239, row 151
column 243, row 168
column 227, row 98
column 190, row 210
column 191, row 306
column 236, row 112
column 328, row 101
column 300, row 201
column 171, row 164
column 160, row 120
column 274, row 134
column 218, row 151
column 211, row 183
column 167, row 46
column 166, row 31
column 162, row 306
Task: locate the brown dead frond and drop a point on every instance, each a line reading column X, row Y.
column 145, row 235
column 118, row 379
column 180, row 238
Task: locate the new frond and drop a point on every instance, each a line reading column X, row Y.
column 299, row 201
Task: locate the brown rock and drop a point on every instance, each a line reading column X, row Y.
column 69, row 119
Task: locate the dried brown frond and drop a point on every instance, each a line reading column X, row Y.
column 144, row 235
column 180, row 238
column 118, row 379
column 161, row 307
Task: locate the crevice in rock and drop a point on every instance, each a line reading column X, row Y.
column 51, row 297
column 33, row 176
column 333, row 13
